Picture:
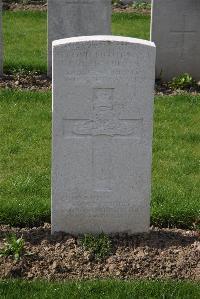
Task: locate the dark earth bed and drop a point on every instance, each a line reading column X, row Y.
column 162, row 253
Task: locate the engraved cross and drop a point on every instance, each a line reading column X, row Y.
column 104, row 125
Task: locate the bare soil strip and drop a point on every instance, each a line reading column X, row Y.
column 43, row 7
column 162, row 253
column 24, row 7
column 32, row 81
column 40, row 82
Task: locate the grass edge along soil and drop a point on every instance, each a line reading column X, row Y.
column 99, row 289
column 25, row 156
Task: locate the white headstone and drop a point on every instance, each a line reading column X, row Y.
column 176, row 33
column 102, row 134
column 69, row 18
column 1, row 42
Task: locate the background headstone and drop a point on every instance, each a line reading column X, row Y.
column 69, row 18
column 1, row 41
column 176, row 33
column 102, row 134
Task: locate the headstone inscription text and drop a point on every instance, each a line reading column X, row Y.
column 102, row 134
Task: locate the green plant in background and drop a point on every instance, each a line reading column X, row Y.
column 13, row 246
column 184, row 81
column 116, row 2
column 142, row 5
column 100, row 246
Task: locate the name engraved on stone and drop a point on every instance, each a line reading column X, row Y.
column 104, row 125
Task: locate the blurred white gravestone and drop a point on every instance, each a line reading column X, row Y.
column 1, row 41
column 69, row 18
column 102, row 134
column 176, row 33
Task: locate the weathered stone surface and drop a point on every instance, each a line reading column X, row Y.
column 1, row 41
column 69, row 18
column 176, row 31
column 102, row 134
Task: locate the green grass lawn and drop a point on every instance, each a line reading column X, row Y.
column 176, row 161
column 25, row 128
column 25, row 41
column 25, row 150
column 133, row 25
column 99, row 289
column 25, row 37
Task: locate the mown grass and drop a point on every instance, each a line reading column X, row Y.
column 176, row 161
column 99, row 289
column 25, row 41
column 25, row 37
column 25, row 130
column 131, row 24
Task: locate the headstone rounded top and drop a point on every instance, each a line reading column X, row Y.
column 103, row 38
column 102, row 134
